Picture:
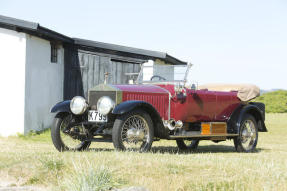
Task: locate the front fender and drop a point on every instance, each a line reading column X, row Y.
column 127, row 106
column 63, row 106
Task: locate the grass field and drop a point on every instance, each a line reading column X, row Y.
column 34, row 161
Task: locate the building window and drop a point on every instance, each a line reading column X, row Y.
column 54, row 53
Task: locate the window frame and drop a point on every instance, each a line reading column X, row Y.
column 54, row 53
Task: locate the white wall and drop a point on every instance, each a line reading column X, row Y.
column 44, row 83
column 12, row 81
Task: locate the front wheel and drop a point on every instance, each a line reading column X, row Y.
column 133, row 131
column 66, row 136
column 248, row 135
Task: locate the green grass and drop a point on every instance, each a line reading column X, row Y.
column 33, row 160
column 91, row 178
column 275, row 102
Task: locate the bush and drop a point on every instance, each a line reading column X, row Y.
column 88, row 179
column 275, row 102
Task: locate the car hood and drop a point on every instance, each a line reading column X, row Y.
column 145, row 88
column 157, row 96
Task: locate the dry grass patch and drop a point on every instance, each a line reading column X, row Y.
column 34, row 161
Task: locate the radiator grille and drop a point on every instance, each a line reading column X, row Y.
column 159, row 101
column 94, row 96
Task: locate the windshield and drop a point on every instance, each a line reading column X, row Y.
column 163, row 73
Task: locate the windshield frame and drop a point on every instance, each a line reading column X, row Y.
column 188, row 67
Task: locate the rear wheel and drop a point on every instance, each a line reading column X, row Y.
column 133, row 131
column 248, row 135
column 187, row 145
column 66, row 136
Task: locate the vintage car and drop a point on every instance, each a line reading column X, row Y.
column 161, row 104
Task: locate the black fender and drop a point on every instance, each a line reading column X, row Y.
column 63, row 106
column 236, row 117
column 128, row 106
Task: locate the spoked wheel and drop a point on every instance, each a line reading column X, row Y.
column 248, row 135
column 187, row 145
column 66, row 136
column 133, row 131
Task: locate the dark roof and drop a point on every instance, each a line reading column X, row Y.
column 124, row 50
column 32, row 28
column 37, row 30
column 17, row 22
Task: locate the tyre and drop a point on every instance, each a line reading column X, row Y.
column 187, row 145
column 248, row 135
column 66, row 137
column 133, row 131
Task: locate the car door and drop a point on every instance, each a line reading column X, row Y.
column 200, row 105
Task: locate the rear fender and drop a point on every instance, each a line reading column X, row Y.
column 235, row 120
column 63, row 106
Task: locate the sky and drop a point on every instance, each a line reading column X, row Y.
column 227, row 41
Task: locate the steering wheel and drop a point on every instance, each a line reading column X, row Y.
column 157, row 76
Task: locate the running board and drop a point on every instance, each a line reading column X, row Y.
column 201, row 136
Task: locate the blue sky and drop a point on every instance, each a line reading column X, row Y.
column 228, row 41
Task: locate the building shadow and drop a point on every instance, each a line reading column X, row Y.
column 73, row 84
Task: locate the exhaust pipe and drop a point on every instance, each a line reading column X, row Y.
column 172, row 124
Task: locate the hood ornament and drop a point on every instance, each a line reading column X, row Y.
column 106, row 77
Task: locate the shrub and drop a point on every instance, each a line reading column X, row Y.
column 87, row 179
column 275, row 102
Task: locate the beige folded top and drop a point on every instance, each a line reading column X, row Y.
column 245, row 92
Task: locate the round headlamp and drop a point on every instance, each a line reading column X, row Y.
column 105, row 104
column 78, row 105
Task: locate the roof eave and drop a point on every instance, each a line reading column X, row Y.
column 9, row 21
column 124, row 50
column 171, row 59
column 32, row 28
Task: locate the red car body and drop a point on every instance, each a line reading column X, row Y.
column 197, row 106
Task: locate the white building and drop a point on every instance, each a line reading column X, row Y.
column 40, row 67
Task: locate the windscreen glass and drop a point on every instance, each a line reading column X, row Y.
column 161, row 73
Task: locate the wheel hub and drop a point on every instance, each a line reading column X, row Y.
column 135, row 134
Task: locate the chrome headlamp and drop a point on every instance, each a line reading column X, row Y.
column 105, row 104
column 78, row 105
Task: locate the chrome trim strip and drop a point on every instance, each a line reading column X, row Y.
column 169, row 98
column 119, row 94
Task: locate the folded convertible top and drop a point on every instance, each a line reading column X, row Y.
column 245, row 92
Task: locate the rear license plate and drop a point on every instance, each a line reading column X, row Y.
column 95, row 116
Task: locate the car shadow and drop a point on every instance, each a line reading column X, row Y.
column 175, row 150
column 200, row 149
column 100, row 149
